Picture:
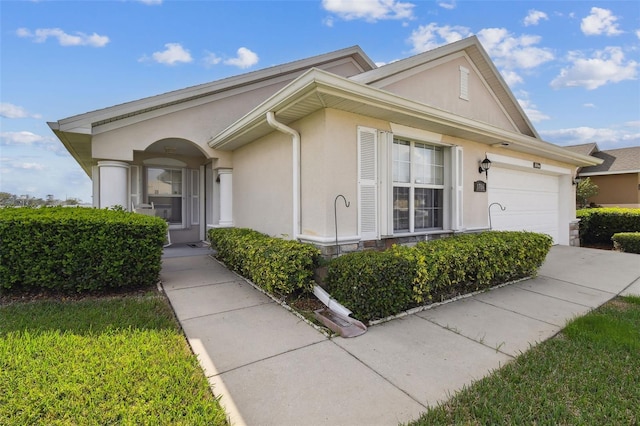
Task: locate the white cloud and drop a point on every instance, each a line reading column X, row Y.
column 370, row 10
column 8, row 110
column 173, row 54
column 534, row 17
column 606, row 66
column 211, row 59
column 29, row 166
column 589, row 105
column 532, row 111
column 151, row 2
column 638, row 34
column 78, row 39
column 450, row 5
column 606, row 138
column 511, row 77
column 20, row 138
column 600, row 21
column 25, row 138
column 428, row 37
column 245, row 59
column 509, row 52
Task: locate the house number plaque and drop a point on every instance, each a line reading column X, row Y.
column 479, row 186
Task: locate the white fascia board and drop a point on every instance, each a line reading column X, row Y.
column 520, row 164
column 621, row 172
column 327, row 83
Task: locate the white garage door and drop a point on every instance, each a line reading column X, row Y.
column 531, row 201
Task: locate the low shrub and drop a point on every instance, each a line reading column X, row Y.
column 78, row 249
column 276, row 265
column 628, row 242
column 378, row 284
column 372, row 284
column 599, row 225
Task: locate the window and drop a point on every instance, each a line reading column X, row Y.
column 418, row 186
column 164, row 189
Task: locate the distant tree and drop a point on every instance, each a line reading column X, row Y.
column 6, row 199
column 585, row 190
column 72, row 201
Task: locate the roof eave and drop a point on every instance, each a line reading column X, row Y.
column 317, row 82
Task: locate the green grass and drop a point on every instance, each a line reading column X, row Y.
column 588, row 375
column 118, row 361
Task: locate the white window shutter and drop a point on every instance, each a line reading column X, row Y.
column 457, row 169
column 135, row 186
column 367, row 184
column 195, row 197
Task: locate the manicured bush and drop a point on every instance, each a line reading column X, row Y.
column 78, row 249
column 628, row 242
column 373, row 284
column 598, row 225
column 378, row 284
column 276, row 265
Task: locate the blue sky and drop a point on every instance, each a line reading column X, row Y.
column 573, row 65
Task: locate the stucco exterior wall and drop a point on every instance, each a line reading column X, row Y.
column 438, row 85
column 329, row 168
column 262, row 186
column 196, row 124
column 617, row 190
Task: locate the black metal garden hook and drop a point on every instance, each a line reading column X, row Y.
column 335, row 217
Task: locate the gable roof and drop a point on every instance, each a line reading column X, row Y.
column 317, row 89
column 584, row 149
column 473, row 49
column 615, row 161
column 83, row 123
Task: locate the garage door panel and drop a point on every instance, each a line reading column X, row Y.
column 531, row 201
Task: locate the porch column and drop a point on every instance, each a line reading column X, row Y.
column 226, row 197
column 113, row 184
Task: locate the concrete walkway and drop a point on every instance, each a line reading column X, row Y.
column 271, row 368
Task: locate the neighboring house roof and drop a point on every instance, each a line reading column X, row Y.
column 584, row 149
column 615, row 161
column 479, row 57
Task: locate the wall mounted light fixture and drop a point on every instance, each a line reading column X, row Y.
column 576, row 180
column 485, row 165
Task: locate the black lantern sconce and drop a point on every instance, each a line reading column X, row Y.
column 485, row 165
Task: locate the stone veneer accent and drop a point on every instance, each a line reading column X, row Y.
column 332, row 251
column 574, row 233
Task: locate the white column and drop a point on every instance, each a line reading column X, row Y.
column 226, row 197
column 113, row 184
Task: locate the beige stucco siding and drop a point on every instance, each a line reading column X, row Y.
column 262, row 185
column 196, row 124
column 439, row 86
column 329, row 168
column 617, row 190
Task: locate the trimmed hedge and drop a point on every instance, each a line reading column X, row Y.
column 598, row 225
column 378, row 284
column 276, row 265
column 78, row 249
column 628, row 242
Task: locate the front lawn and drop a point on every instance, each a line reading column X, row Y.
column 120, row 360
column 588, row 375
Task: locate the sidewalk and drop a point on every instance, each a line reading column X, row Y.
column 271, row 368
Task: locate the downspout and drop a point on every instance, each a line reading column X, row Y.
column 295, row 139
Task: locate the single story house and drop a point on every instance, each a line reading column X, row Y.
column 618, row 177
column 274, row 149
